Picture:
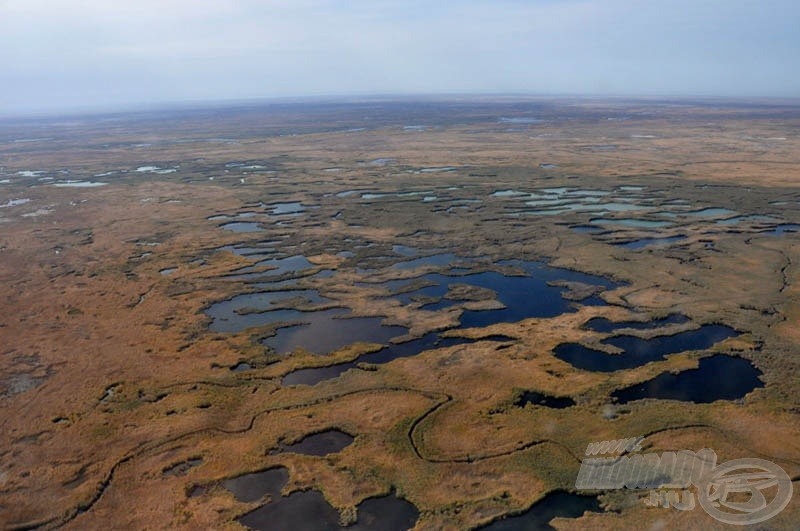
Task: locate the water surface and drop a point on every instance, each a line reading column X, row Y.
column 601, row 324
column 430, row 341
column 387, row 513
column 719, row 377
column 553, row 505
column 252, row 487
column 638, row 351
column 645, row 242
column 279, row 209
column 242, row 226
column 325, row 331
column 540, row 399
column 633, row 223
column 300, row 511
column 322, row 443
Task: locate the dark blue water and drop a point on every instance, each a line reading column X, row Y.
column 524, row 296
column 601, row 324
column 323, row 331
column 556, row 504
column 301, row 511
column 322, row 443
column 528, row 295
column 641, row 351
column 253, row 487
column 539, row 399
column 315, row 375
column 441, row 304
column 412, row 348
column 429, row 341
column 719, row 377
column 387, row 513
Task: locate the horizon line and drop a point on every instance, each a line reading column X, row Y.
column 143, row 107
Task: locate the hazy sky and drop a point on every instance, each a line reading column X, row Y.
column 84, row 53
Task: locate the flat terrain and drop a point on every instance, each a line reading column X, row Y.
column 124, row 400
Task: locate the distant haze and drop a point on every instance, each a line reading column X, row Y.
column 71, row 54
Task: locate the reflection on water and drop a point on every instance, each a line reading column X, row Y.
column 427, row 342
column 322, row 443
column 783, row 229
column 258, row 309
column 530, row 295
column 329, row 330
column 645, row 242
column 242, row 226
column 300, row 511
column 387, row 513
column 279, row 209
column 638, row 351
column 712, row 212
column 601, row 324
column 275, row 266
column 719, row 377
column 634, row 223
column 554, row 505
column 253, row 487
column 310, row 511
column 438, row 260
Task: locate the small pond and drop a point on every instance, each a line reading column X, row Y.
column 719, row 377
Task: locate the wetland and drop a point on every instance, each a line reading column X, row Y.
column 320, row 316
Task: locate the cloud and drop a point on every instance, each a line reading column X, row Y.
column 76, row 52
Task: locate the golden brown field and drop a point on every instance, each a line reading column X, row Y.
column 110, row 376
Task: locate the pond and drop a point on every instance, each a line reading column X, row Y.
column 633, row 223
column 430, row 341
column 271, row 267
column 279, row 209
column 242, row 226
column 253, row 487
column 531, row 294
column 553, row 505
column 601, row 324
column 322, row 443
column 540, row 399
column 300, row 511
column 310, row 511
column 258, row 309
column 638, row 351
column 719, row 377
column 530, row 289
column 646, row 242
column 325, row 331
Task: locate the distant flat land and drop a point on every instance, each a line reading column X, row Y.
column 135, row 381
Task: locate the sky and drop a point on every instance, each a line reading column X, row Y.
column 83, row 54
